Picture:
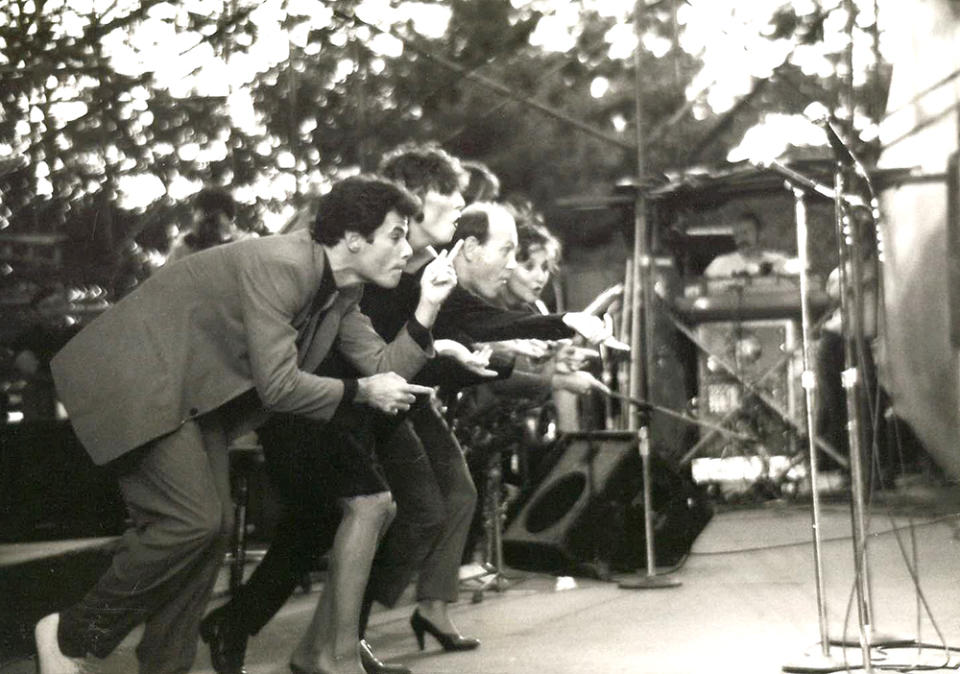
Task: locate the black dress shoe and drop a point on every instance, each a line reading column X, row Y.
column 373, row 665
column 227, row 640
column 451, row 641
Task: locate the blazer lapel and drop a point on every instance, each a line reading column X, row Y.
column 326, row 325
column 308, row 318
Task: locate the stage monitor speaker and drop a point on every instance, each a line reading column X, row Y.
column 585, row 509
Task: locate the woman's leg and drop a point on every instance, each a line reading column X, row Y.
column 330, row 643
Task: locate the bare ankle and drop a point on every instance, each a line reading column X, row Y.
column 50, row 659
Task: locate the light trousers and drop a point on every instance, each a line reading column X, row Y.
column 177, row 491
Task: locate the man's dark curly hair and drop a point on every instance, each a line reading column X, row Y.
column 421, row 168
column 359, row 204
column 215, row 200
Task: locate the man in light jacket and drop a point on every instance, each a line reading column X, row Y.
column 202, row 350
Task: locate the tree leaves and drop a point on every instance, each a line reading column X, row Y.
column 343, row 94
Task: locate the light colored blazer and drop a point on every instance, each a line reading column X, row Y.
column 210, row 327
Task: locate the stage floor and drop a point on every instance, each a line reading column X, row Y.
column 746, row 603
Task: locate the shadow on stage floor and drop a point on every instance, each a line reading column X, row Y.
column 747, row 603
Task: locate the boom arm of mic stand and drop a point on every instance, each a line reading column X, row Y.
column 800, row 180
column 650, row 407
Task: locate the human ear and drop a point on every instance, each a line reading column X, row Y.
column 470, row 248
column 353, row 240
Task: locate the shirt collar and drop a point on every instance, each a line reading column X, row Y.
column 327, row 284
column 327, row 291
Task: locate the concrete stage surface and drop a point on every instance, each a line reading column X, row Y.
column 747, row 604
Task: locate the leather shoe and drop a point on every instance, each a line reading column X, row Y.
column 227, row 640
column 451, row 641
column 373, row 665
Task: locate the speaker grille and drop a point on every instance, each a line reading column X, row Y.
column 552, row 505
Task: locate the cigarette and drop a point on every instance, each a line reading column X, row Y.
column 452, row 253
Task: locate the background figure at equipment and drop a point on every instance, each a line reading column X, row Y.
column 750, row 259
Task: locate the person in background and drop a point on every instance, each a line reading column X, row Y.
column 750, row 259
column 830, row 363
column 482, row 185
column 214, row 212
column 49, row 327
column 203, row 350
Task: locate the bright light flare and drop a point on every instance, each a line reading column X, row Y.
column 770, row 138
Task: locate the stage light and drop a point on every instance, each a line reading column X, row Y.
column 749, row 348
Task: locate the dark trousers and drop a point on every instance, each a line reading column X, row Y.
column 435, row 497
column 311, row 466
column 300, row 538
column 176, row 489
column 431, row 484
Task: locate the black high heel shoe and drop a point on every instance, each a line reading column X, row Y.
column 451, row 641
column 221, row 630
column 373, row 665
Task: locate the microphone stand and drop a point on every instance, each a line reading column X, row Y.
column 641, row 336
column 849, row 263
column 822, row 661
column 640, row 342
column 851, row 308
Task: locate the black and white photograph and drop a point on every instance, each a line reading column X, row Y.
column 479, row 336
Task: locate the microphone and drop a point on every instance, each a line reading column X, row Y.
column 840, row 149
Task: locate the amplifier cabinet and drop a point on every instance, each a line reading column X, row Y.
column 766, row 360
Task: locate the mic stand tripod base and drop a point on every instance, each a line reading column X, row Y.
column 491, row 578
column 818, row 662
column 648, row 582
column 877, row 639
